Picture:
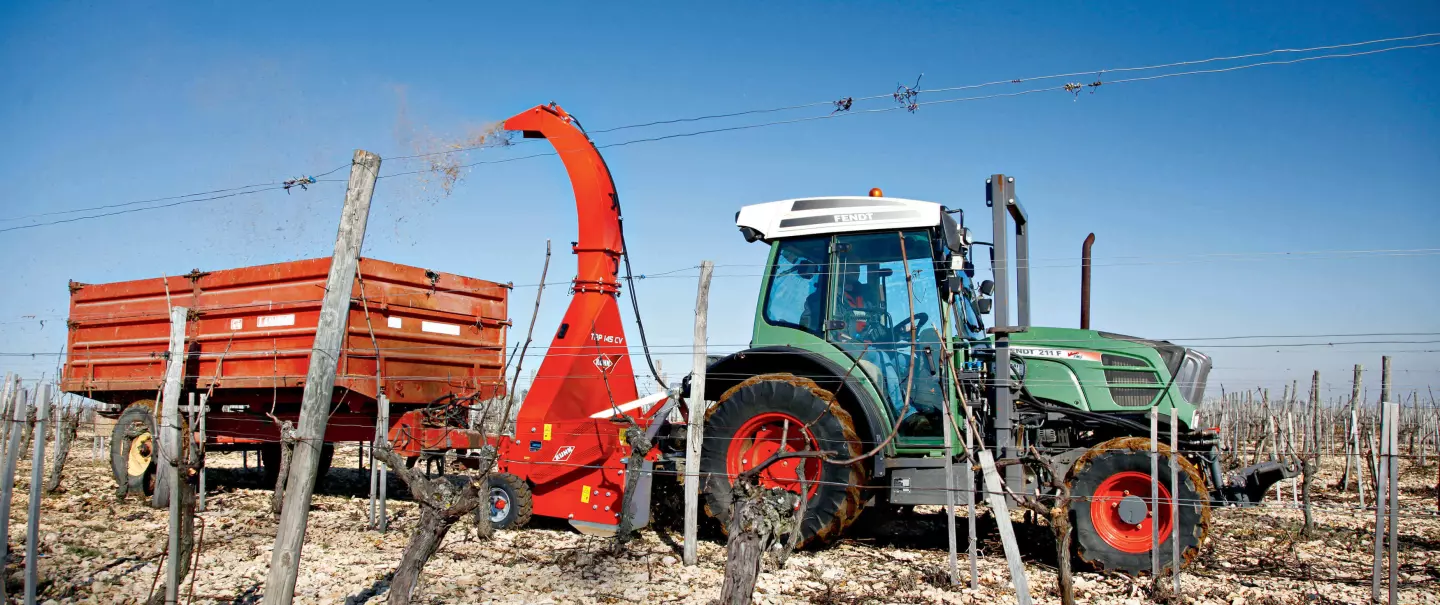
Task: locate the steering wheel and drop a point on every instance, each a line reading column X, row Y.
column 920, row 320
column 877, row 329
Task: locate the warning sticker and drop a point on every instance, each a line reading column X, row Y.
column 547, row 432
column 439, row 328
column 275, row 321
column 585, row 494
column 1049, row 353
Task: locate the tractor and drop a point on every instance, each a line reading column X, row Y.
column 870, row 327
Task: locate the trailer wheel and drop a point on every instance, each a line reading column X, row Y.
column 510, row 501
column 1110, row 487
column 132, row 447
column 770, row 413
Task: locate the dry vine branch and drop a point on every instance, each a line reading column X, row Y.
column 441, row 502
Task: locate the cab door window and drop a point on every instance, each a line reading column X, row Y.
column 798, row 283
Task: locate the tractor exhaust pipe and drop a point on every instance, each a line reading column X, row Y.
column 1085, row 281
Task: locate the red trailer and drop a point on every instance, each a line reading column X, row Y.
column 417, row 336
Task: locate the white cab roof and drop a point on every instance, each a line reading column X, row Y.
column 817, row 215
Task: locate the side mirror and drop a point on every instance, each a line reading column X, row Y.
column 982, row 306
column 987, row 287
column 970, row 269
column 954, row 236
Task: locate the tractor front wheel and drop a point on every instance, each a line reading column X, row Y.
column 1113, row 515
column 775, row 413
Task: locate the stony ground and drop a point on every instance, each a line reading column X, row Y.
column 96, row 549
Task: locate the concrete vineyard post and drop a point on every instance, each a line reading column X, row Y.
column 320, row 380
column 995, row 494
column 695, row 429
column 383, row 521
column 970, row 498
column 1174, row 498
column 1155, row 494
column 37, row 478
column 7, row 479
column 1393, row 443
column 948, row 426
column 204, row 408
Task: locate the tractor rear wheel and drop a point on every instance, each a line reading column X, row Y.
column 775, row 413
column 1112, row 515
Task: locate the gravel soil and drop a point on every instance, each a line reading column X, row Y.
column 97, row 549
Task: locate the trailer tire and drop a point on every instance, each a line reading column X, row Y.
column 1112, row 472
column 509, row 501
column 741, row 432
column 132, row 445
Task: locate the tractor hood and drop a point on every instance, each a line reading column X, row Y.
column 1107, row 372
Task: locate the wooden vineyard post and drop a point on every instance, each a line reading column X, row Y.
column 320, row 381
column 694, row 428
column 169, row 420
column 37, row 479
column 994, row 493
column 948, row 427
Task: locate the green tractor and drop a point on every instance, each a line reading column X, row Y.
column 869, row 328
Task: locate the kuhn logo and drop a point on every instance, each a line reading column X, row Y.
column 604, row 363
column 563, row 453
column 853, row 217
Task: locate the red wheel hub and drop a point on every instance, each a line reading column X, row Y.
column 1113, row 511
column 768, row 434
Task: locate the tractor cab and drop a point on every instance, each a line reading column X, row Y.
column 868, row 282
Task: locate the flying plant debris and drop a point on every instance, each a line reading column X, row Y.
column 444, row 157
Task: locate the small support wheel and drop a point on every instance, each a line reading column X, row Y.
column 511, row 503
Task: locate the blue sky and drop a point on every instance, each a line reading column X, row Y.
column 108, row 103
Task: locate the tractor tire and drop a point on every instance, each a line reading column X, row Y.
column 757, row 417
column 270, row 462
column 132, row 445
column 1109, row 486
column 510, row 501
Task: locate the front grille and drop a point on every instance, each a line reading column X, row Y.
column 1132, row 397
column 1130, row 377
column 1121, row 360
